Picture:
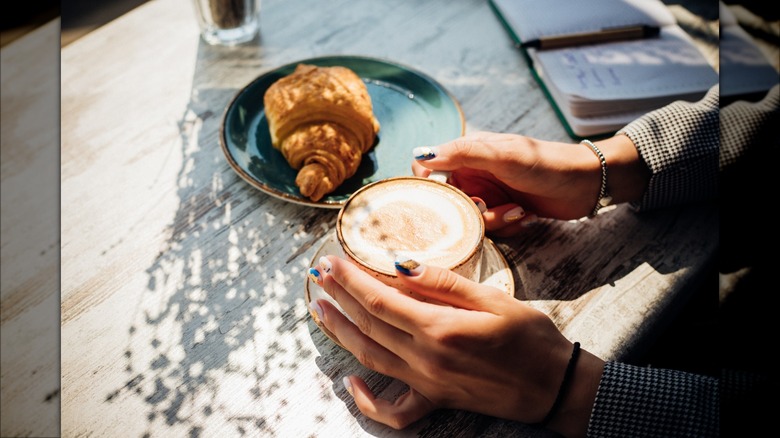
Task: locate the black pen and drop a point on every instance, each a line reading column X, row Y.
column 606, row 35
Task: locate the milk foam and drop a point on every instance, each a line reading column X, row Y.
column 425, row 223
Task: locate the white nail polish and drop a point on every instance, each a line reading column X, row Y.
column 325, row 264
column 315, row 307
column 348, row 385
column 514, row 214
column 530, row 221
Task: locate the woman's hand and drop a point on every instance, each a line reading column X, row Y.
column 481, row 351
column 520, row 177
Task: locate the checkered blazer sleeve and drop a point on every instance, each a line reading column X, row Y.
column 746, row 124
column 679, row 144
column 648, row 402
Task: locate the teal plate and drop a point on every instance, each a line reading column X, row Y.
column 412, row 109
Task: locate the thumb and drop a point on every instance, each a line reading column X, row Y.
column 408, row 408
column 447, row 287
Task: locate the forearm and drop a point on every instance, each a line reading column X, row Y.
column 679, row 143
column 644, row 401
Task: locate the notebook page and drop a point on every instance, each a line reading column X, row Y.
column 668, row 65
column 743, row 66
column 532, row 19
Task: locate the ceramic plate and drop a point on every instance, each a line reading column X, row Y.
column 412, row 109
column 495, row 271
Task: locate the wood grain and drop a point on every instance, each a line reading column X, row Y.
column 29, row 159
column 182, row 307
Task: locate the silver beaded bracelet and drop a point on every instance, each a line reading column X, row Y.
column 604, row 198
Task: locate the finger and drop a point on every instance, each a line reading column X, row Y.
column 475, row 183
column 420, row 170
column 447, row 287
column 391, row 337
column 482, row 184
column 467, row 151
column 481, row 205
column 515, row 228
column 345, row 282
column 369, row 353
column 405, row 410
column 503, row 215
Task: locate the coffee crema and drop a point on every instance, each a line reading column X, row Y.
column 409, row 217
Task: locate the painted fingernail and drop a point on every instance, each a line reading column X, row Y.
column 348, row 385
column 408, row 267
column 480, row 204
column 316, row 309
column 315, row 276
column 325, row 264
column 531, row 220
column 423, row 153
column 514, row 215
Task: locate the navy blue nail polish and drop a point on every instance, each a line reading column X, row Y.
column 408, row 267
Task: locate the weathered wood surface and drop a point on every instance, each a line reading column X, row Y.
column 182, row 286
column 30, row 198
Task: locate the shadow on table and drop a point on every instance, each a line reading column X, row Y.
column 336, row 363
column 216, row 312
column 560, row 260
column 216, row 321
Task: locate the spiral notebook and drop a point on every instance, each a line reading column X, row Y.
column 597, row 87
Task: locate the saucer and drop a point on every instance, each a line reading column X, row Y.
column 495, row 271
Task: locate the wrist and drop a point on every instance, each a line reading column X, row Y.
column 603, row 198
column 628, row 175
column 573, row 415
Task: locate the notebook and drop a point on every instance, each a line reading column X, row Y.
column 598, row 88
column 745, row 71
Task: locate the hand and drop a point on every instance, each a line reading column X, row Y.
column 548, row 179
column 482, row 351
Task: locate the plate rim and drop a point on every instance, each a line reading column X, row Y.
column 327, row 204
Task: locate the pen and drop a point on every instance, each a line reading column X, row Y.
column 605, row 35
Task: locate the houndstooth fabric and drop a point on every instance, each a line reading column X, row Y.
column 679, row 143
column 637, row 401
column 748, row 123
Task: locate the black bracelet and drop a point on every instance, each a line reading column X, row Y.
column 564, row 385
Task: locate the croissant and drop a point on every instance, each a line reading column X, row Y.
column 321, row 119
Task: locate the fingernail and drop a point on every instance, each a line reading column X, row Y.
column 348, row 385
column 423, row 153
column 315, row 276
column 408, row 267
column 325, row 264
column 531, row 220
column 480, row 204
column 315, row 307
column 514, row 214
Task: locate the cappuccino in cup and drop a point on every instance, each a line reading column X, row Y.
column 416, row 218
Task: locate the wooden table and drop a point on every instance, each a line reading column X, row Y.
column 182, row 304
column 30, row 198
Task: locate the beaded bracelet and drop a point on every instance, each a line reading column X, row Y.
column 604, row 199
column 564, row 385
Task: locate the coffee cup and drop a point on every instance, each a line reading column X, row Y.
column 410, row 217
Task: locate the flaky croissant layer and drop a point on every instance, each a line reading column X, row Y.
column 322, row 121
